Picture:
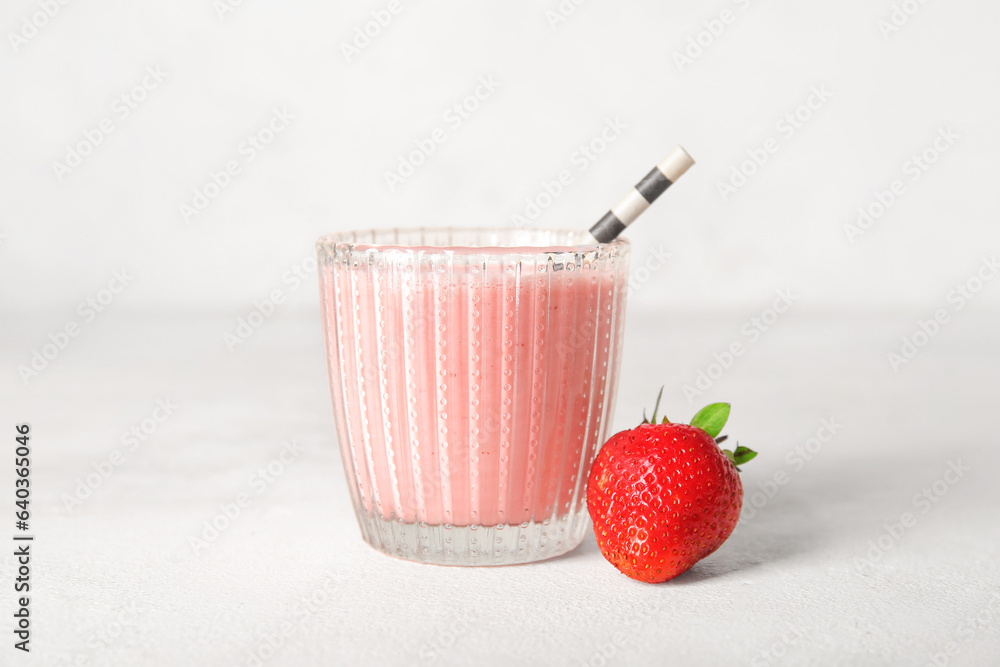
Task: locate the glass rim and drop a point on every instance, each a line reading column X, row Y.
column 348, row 240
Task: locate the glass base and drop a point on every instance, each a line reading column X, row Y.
column 475, row 545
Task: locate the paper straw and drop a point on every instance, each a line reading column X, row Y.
column 624, row 213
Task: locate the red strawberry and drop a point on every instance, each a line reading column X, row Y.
column 664, row 496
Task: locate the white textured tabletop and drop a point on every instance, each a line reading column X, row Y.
column 869, row 535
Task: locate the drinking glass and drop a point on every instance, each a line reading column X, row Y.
column 473, row 375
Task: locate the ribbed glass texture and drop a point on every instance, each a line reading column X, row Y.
column 473, row 375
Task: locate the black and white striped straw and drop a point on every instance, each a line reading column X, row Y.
column 661, row 177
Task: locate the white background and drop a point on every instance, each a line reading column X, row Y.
column 557, row 86
column 560, row 79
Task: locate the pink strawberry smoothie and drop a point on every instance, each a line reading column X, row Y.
column 486, row 389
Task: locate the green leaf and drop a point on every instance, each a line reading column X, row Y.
column 711, row 418
column 743, row 454
column 740, row 456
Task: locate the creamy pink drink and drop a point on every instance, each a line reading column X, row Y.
column 472, row 386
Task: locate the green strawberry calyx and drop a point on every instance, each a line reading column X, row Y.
column 711, row 419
